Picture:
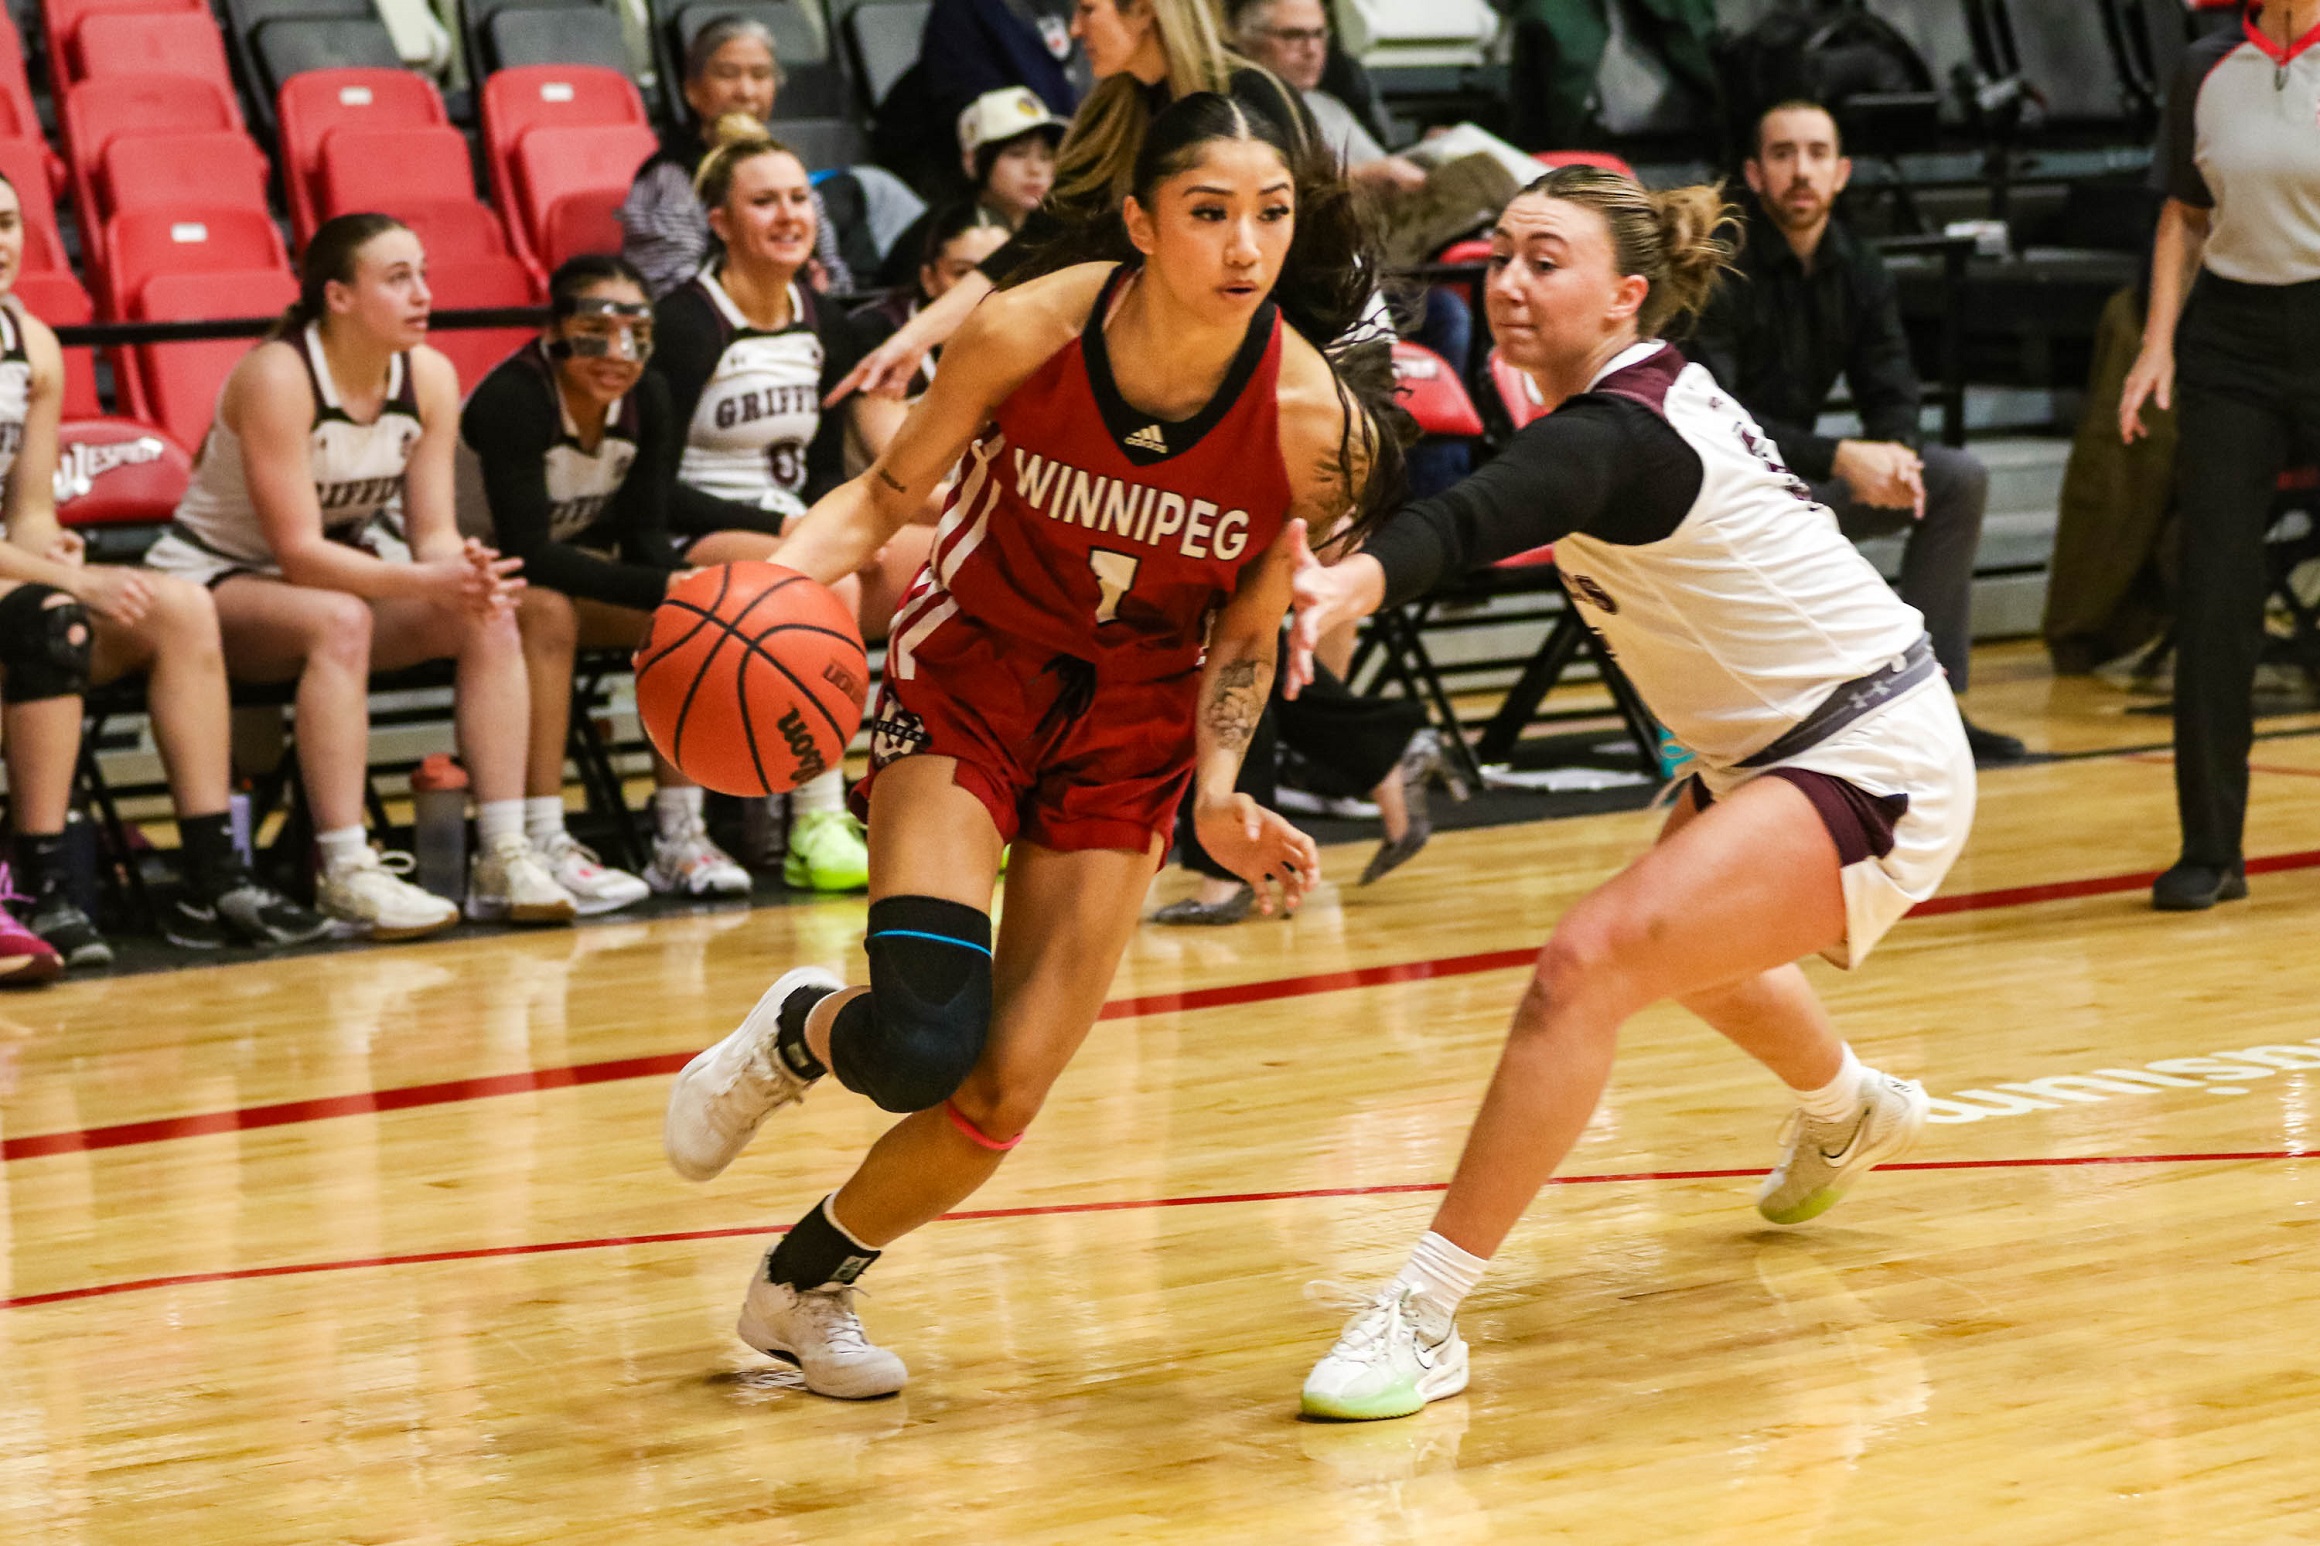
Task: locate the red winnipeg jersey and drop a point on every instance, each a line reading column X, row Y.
column 1083, row 528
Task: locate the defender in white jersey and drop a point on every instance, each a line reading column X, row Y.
column 320, row 517
column 1834, row 785
column 748, row 350
column 66, row 623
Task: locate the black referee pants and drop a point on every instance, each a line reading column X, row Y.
column 2247, row 386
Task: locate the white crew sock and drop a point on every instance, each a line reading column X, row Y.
column 1834, row 1101
column 495, row 819
column 815, row 795
column 544, row 819
column 674, row 810
column 342, row 847
column 1442, row 1273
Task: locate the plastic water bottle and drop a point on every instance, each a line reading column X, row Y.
column 1675, row 758
column 439, row 823
column 238, row 822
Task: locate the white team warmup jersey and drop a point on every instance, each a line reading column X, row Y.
column 759, row 412
column 15, row 388
column 358, row 479
column 1737, row 625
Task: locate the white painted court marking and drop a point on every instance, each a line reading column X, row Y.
column 2221, row 1073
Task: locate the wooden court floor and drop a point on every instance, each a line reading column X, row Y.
column 379, row 1247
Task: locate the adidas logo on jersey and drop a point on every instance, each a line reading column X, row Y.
column 1150, row 439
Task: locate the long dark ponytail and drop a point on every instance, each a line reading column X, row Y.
column 1326, row 288
column 330, row 255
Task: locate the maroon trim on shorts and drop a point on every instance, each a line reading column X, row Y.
column 1860, row 823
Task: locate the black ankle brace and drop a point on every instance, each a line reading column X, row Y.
column 817, row 1252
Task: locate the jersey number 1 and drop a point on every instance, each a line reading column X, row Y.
column 1116, row 573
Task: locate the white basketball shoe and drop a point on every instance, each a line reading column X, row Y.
column 594, row 886
column 1393, row 1357
column 817, row 1330
column 722, row 1096
column 1820, row 1160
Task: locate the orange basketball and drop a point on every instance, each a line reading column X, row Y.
column 751, row 679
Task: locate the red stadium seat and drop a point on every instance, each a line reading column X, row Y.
column 117, row 472
column 1432, row 393
column 317, row 102
column 473, row 284
column 17, row 114
column 452, row 230
column 554, row 164
column 381, row 169
column 1516, row 391
column 177, row 384
column 95, row 113
column 515, row 102
column 63, row 18
column 582, row 222
column 142, row 244
column 217, row 166
column 139, row 43
column 56, row 298
column 25, row 164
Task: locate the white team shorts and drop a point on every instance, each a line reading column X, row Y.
column 1915, row 747
column 173, row 553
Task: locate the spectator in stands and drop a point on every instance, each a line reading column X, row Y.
column 1007, row 141
column 748, row 354
column 2235, row 302
column 65, row 623
column 1291, row 38
column 973, row 47
column 1145, row 54
column 730, row 68
column 567, row 460
column 958, row 237
column 1809, row 301
column 320, row 517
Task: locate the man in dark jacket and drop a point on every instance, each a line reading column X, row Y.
column 1811, row 302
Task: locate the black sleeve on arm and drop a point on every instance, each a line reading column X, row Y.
column 641, row 508
column 842, row 347
column 509, row 424
column 1886, row 393
column 1601, row 465
column 687, row 341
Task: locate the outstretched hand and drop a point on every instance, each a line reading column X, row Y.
column 1325, row 597
column 1261, row 848
column 885, row 371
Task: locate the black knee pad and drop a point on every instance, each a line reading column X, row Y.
column 44, row 648
column 912, row 1039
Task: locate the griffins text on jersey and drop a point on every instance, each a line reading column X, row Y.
column 1138, row 512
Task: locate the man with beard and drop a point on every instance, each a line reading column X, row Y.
column 1810, row 301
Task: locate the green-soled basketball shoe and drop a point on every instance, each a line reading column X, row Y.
column 1393, row 1357
column 826, row 853
column 1820, row 1160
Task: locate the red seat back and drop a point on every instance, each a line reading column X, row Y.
column 518, row 101
column 218, row 167
column 179, row 383
column 1475, row 249
column 472, row 284
column 452, row 230
column 1517, row 391
column 63, row 19
column 142, row 43
column 118, row 472
column 587, row 221
column 313, row 104
column 382, row 168
column 143, row 243
column 557, row 163
column 17, row 113
column 1432, row 392
column 56, row 298
column 25, row 162
column 96, row 112
column 1602, row 158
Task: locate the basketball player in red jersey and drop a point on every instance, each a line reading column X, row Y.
column 1143, row 441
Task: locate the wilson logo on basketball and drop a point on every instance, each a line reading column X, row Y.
column 810, row 763
column 842, row 679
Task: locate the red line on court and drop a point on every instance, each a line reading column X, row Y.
column 1047, row 1210
column 453, row 1091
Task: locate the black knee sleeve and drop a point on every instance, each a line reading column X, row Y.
column 910, row 1041
column 44, row 647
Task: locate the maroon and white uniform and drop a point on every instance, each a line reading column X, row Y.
column 1053, row 642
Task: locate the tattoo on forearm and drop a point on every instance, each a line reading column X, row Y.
column 892, row 482
column 1235, row 701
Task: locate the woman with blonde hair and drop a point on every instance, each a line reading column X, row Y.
column 1145, row 55
column 747, row 351
column 1834, row 784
